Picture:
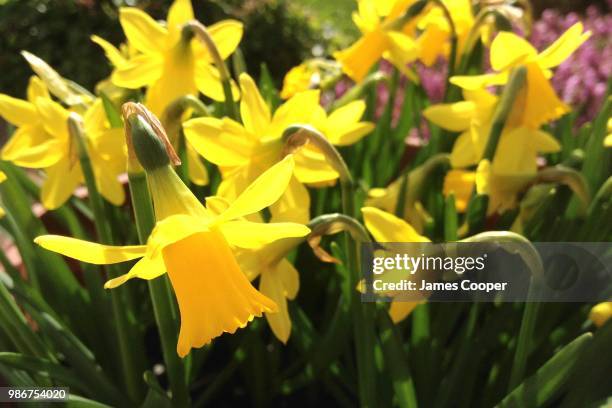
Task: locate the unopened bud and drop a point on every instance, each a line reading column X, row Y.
column 148, row 145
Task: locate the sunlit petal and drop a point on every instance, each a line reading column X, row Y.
column 90, row 252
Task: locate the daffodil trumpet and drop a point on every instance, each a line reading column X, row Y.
column 199, row 30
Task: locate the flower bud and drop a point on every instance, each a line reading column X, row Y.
column 148, row 145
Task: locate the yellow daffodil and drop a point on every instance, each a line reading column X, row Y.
column 298, row 79
column 170, row 63
column 518, row 147
column 311, row 74
column 380, row 38
column 245, row 151
column 2, row 178
column 107, row 151
column 601, row 313
column 502, row 189
column 537, row 102
column 42, row 141
column 195, row 247
column 278, row 279
column 608, row 139
column 436, row 31
column 386, row 227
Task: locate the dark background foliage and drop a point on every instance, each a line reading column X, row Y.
column 58, row 31
column 280, row 33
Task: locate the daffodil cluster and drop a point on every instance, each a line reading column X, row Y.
column 220, row 193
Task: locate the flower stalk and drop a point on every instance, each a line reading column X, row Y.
column 453, row 44
column 200, row 31
column 503, row 109
column 363, row 331
column 531, row 257
column 164, row 307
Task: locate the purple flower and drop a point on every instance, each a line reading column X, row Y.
column 581, row 80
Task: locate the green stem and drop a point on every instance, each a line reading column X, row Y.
column 199, row 29
column 129, row 365
column 363, row 331
column 524, row 342
column 517, row 244
column 164, row 307
column 360, row 89
column 453, row 42
column 503, row 109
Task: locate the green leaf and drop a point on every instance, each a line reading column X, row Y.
column 79, row 357
column 112, row 113
column 156, row 396
column 551, row 379
column 396, row 361
column 590, row 379
column 38, row 366
column 75, row 401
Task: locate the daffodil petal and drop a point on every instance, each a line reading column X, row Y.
column 37, row 89
column 464, row 152
column 146, row 268
column 172, row 229
column 474, row 82
column 54, row 118
column 280, row 323
column 220, row 141
column 251, row 235
column 62, row 179
column 180, row 12
column 139, row 71
column 312, row 167
column 343, row 127
column 518, row 155
column 386, row 227
column 290, row 278
column 544, row 142
column 208, row 81
column 112, row 53
column 460, row 183
column 294, row 204
column 455, row 117
column 508, row 49
column 143, row 33
column 254, row 111
column 563, row 47
column 197, row 170
column 263, row 192
column 303, row 107
column 400, row 310
column 17, row 111
column 108, row 183
column 226, row 35
column 31, row 146
column 90, row 252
